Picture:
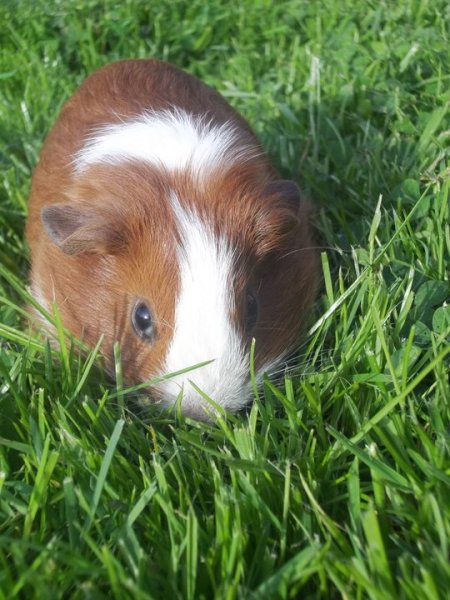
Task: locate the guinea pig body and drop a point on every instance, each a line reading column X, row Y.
column 156, row 220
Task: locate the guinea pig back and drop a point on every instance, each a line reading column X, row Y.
column 156, row 220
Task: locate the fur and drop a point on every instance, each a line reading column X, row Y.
column 151, row 188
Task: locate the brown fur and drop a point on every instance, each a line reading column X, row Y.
column 125, row 248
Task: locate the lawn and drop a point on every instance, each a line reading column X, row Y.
column 336, row 482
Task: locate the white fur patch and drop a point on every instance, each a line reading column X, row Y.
column 38, row 294
column 203, row 325
column 172, row 139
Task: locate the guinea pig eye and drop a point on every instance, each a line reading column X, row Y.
column 142, row 321
column 251, row 311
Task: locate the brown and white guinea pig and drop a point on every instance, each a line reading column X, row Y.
column 156, row 220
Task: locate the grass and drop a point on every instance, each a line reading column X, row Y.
column 336, row 482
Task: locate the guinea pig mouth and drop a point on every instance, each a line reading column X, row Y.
column 194, row 401
column 192, row 406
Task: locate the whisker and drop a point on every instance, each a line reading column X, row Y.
column 165, row 323
column 308, row 248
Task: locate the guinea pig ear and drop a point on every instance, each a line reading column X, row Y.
column 78, row 230
column 287, row 190
column 279, row 216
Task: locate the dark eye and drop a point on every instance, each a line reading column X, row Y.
column 251, row 311
column 142, row 321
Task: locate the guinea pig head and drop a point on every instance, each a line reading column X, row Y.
column 181, row 275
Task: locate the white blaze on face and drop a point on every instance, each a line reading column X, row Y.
column 203, row 326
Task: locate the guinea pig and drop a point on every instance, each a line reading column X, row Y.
column 156, row 220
